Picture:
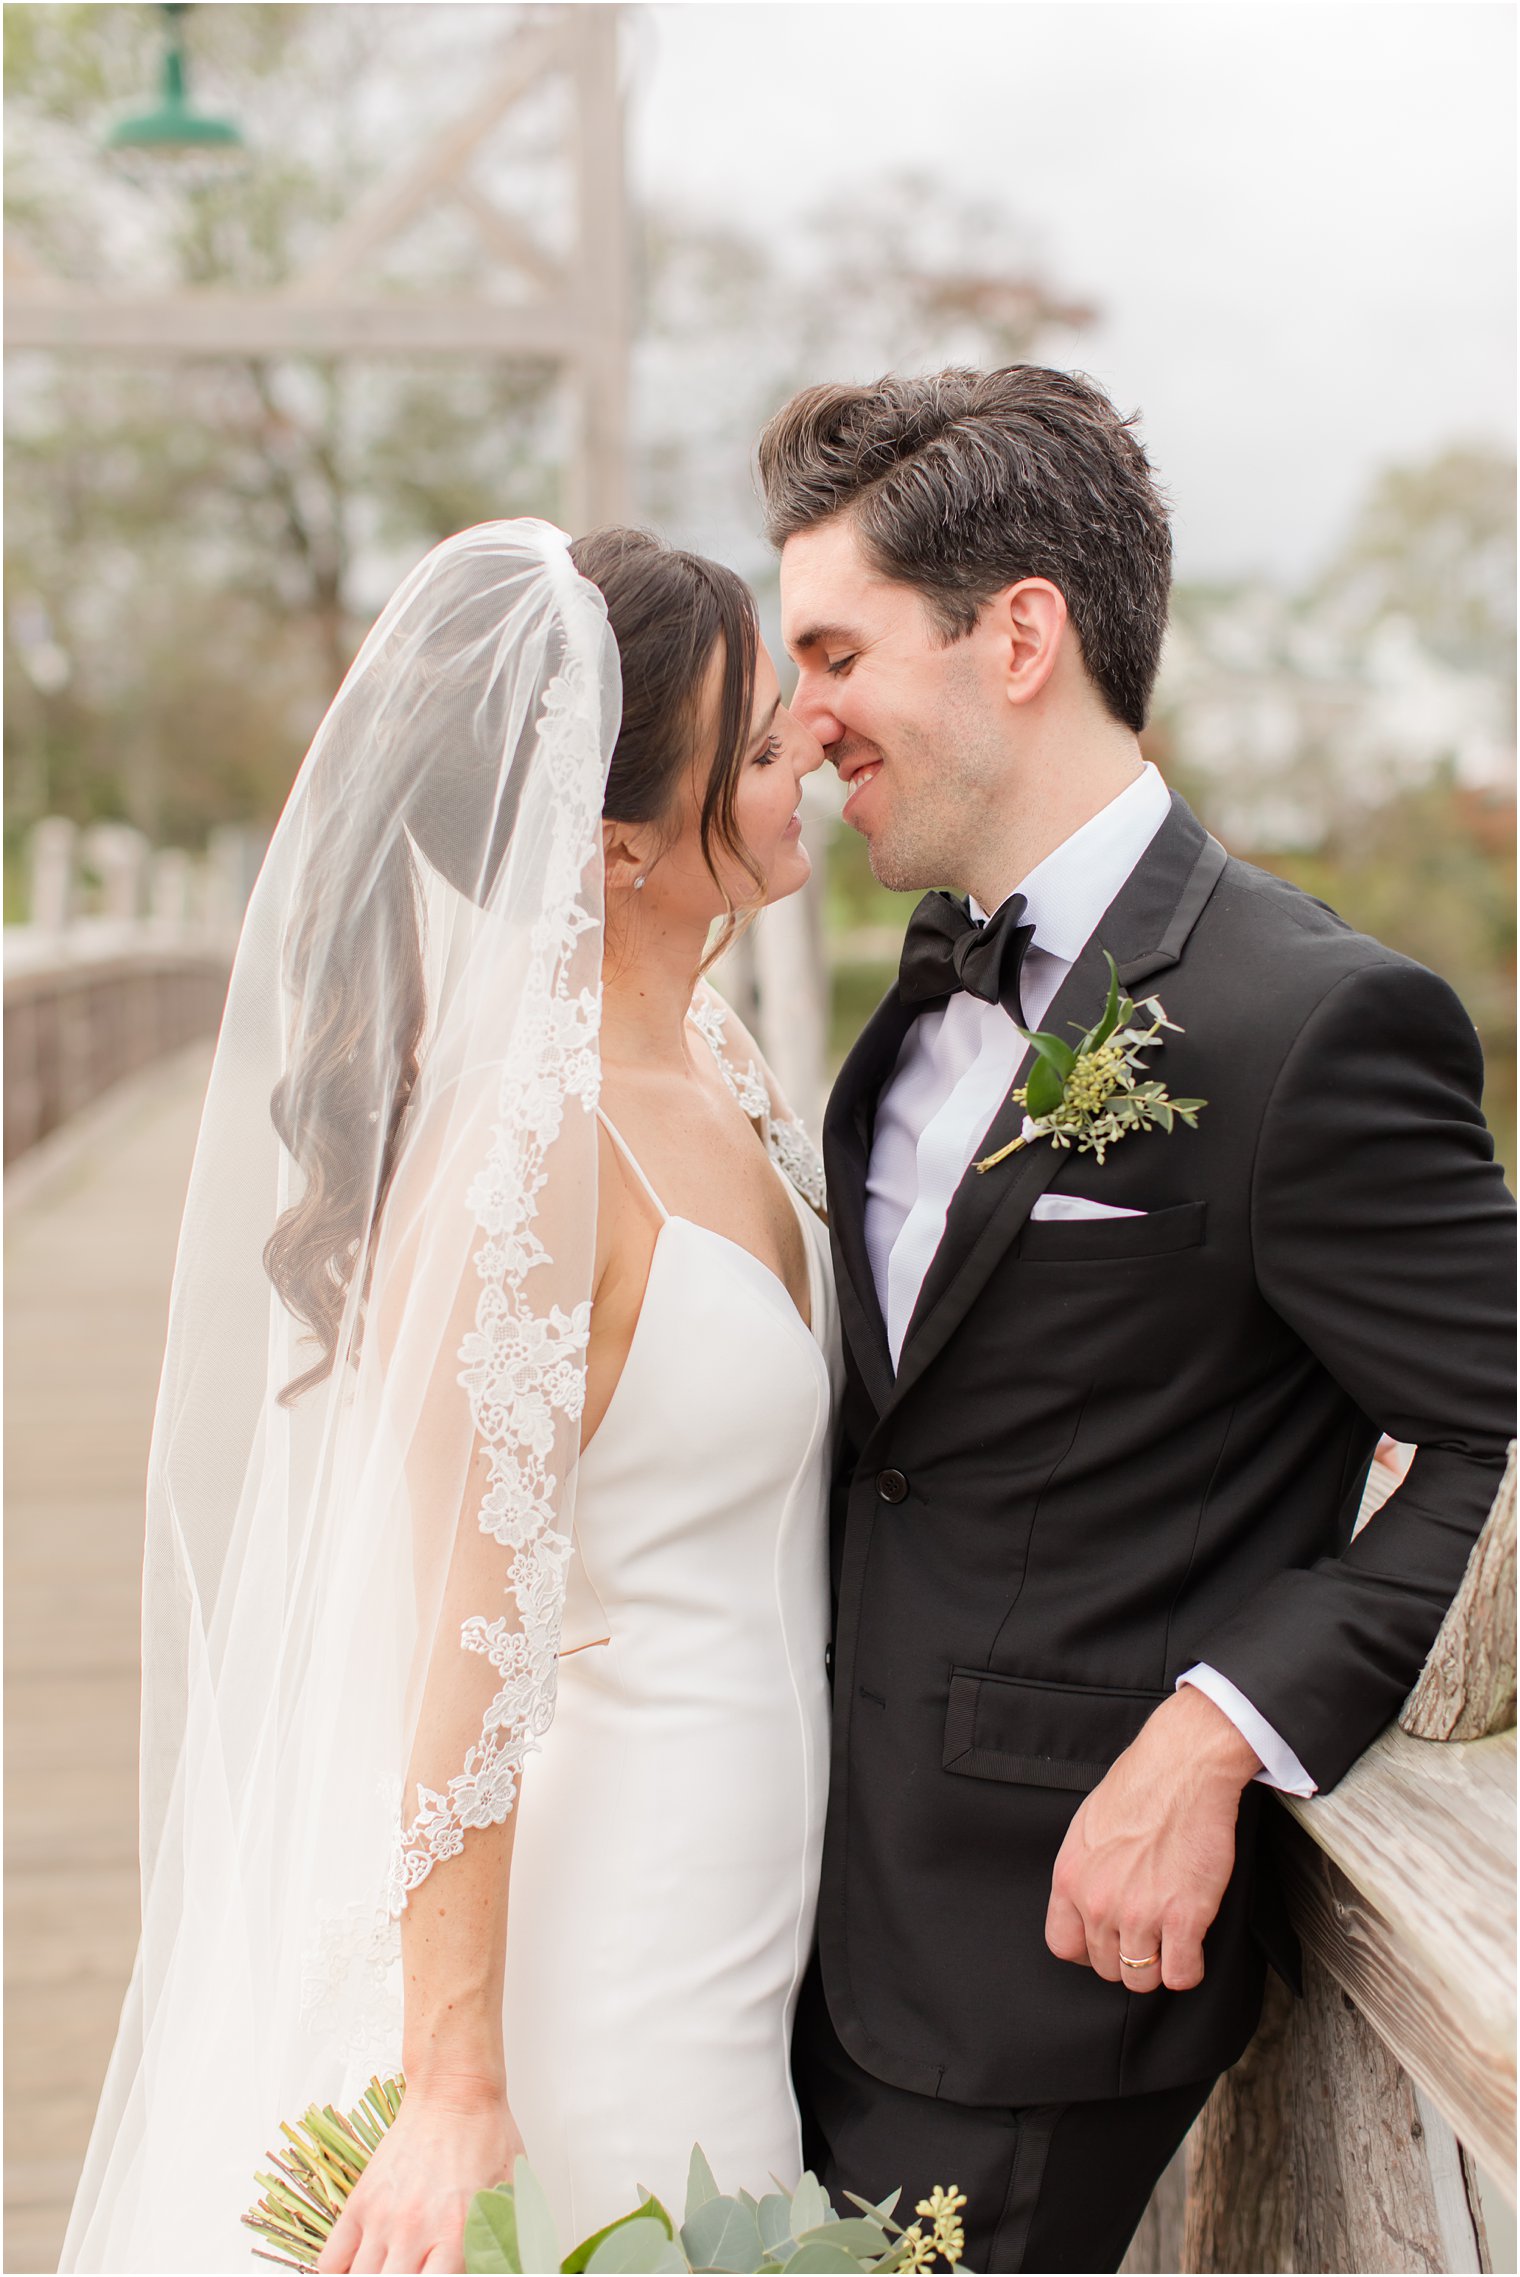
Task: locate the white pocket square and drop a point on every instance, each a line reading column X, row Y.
column 1074, row 1206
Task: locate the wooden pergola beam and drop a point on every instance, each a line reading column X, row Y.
column 574, row 315
column 397, row 202
column 277, row 324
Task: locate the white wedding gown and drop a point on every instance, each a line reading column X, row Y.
column 665, row 1866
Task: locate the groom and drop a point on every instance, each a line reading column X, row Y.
column 1108, row 1417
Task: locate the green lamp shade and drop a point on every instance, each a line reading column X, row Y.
column 174, row 126
column 168, row 129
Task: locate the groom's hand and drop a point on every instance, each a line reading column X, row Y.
column 1146, row 1859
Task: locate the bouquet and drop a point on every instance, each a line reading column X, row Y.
column 511, row 2229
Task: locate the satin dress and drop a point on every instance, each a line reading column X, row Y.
column 665, row 1864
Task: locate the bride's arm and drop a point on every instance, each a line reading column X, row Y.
column 455, row 2133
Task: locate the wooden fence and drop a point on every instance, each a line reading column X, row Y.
column 1347, row 2136
column 73, row 1030
column 124, row 959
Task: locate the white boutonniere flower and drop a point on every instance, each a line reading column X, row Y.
column 1089, row 1094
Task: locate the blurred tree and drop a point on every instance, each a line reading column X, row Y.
column 193, row 550
column 1432, row 873
column 906, row 275
column 1435, row 544
column 1358, row 736
column 193, row 538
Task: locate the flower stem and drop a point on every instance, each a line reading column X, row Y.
column 991, row 1161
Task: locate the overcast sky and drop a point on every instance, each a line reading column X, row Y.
column 1296, row 218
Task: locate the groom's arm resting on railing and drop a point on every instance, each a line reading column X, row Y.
column 1382, row 1234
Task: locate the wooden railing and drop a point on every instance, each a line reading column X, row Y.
column 124, row 958
column 1349, row 2135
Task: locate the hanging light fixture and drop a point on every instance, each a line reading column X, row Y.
column 175, row 135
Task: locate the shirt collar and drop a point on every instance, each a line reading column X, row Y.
column 1067, row 893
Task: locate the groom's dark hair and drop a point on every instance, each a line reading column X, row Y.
column 963, row 482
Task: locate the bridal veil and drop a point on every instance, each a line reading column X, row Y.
column 362, row 1473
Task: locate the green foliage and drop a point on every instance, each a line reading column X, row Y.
column 798, row 2231
column 490, row 2233
column 1435, row 543
column 204, row 544
column 650, row 2214
column 184, row 542
column 510, row 2231
column 1432, row 873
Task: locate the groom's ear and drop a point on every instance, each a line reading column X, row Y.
column 1030, row 623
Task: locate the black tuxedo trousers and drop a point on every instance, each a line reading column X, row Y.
column 1114, row 1447
column 1051, row 2186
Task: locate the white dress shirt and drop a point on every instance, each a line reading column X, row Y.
column 957, row 1065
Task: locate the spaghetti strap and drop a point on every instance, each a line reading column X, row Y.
column 632, row 1160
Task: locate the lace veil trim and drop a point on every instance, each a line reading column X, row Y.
column 519, row 1366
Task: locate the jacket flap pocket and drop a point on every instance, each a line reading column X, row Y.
column 1158, row 1233
column 1038, row 1734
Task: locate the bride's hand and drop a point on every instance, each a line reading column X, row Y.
column 407, row 2211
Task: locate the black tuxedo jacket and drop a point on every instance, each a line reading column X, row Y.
column 1113, row 1448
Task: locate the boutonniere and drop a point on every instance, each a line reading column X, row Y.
column 1087, row 1094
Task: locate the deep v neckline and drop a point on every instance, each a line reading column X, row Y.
column 782, row 1300
column 742, row 1249
column 807, row 1323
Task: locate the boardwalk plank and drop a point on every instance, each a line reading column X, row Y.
column 89, row 1255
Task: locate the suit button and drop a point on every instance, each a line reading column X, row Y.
column 828, row 1660
column 891, row 1486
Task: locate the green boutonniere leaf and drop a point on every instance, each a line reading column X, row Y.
column 1087, row 1096
column 1043, row 1091
column 1111, row 1012
column 1054, row 1062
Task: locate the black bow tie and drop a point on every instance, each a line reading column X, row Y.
column 945, row 949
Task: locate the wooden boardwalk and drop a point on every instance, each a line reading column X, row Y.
column 89, row 1250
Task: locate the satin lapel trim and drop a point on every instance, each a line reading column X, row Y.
column 847, row 1131
column 988, row 1207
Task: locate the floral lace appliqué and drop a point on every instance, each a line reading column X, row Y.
column 787, row 1143
column 351, row 1995
column 523, row 1369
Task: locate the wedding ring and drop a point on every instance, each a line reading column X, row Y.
column 1148, row 1963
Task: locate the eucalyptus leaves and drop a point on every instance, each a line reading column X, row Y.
column 511, row 2229
column 1086, row 1095
column 799, row 2231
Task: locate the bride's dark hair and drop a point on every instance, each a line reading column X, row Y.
column 669, row 612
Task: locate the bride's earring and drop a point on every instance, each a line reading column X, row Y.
column 638, row 885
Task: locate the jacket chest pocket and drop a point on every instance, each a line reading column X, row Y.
column 1103, row 1241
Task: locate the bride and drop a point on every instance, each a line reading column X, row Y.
column 496, row 1396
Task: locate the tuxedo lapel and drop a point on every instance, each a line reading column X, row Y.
column 1144, row 930
column 847, row 1129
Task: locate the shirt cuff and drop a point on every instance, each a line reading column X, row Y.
column 1280, row 1767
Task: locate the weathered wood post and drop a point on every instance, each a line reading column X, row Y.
column 169, row 890
column 1467, row 1686
column 52, row 856
column 1343, row 2140
column 118, row 854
